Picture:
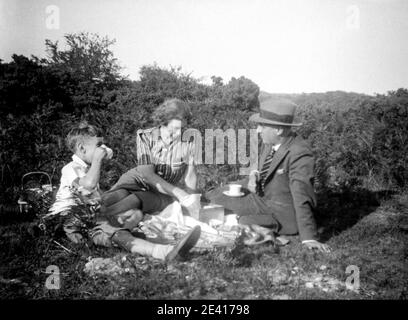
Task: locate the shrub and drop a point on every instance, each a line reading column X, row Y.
column 359, row 141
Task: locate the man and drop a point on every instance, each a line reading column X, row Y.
column 281, row 197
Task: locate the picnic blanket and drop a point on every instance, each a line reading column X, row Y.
column 167, row 226
column 170, row 225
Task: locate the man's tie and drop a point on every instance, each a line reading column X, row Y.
column 263, row 172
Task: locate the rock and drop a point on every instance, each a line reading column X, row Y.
column 172, row 269
column 104, row 266
column 318, row 278
column 309, row 285
column 277, row 276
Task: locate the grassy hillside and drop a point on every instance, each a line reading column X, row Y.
column 331, row 100
column 360, row 145
column 376, row 245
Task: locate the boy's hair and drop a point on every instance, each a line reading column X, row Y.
column 79, row 133
column 171, row 109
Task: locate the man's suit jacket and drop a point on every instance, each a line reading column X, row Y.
column 289, row 189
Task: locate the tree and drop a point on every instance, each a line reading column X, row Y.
column 89, row 60
column 88, row 56
column 217, row 81
column 156, row 84
column 26, row 85
column 241, row 93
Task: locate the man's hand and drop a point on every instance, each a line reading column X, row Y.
column 99, row 154
column 252, row 181
column 313, row 244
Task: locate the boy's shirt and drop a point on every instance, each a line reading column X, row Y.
column 70, row 192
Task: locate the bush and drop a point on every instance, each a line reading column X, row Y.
column 359, row 141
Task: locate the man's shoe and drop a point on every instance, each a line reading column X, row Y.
column 185, row 244
column 258, row 235
column 259, row 240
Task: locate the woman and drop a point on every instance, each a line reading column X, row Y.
column 163, row 162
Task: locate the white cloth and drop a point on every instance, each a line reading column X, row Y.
column 65, row 197
column 174, row 213
column 171, row 222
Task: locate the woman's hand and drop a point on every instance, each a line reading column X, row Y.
column 192, row 203
column 161, row 185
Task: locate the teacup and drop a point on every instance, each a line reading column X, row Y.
column 109, row 151
column 234, row 189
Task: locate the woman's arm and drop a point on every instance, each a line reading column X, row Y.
column 190, row 178
column 148, row 174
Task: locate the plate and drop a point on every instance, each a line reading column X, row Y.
column 233, row 195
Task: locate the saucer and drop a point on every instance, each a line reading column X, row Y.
column 227, row 193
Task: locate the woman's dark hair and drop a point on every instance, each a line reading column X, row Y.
column 171, row 109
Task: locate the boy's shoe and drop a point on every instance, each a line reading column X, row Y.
column 185, row 244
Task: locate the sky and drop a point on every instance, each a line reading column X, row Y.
column 284, row 46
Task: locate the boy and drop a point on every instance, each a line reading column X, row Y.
column 77, row 202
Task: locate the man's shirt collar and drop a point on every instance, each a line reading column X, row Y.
column 276, row 147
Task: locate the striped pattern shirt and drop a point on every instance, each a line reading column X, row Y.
column 170, row 161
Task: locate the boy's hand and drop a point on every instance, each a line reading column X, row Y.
column 99, row 154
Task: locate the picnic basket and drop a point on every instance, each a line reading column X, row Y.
column 36, row 196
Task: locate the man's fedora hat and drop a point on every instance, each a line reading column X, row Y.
column 279, row 112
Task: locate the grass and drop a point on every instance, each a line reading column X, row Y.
column 374, row 241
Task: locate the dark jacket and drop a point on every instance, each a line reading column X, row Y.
column 289, row 189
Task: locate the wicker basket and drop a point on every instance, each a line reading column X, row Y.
column 34, row 195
